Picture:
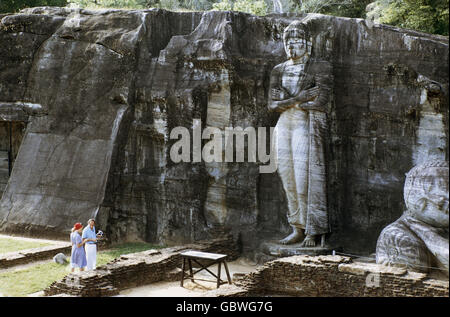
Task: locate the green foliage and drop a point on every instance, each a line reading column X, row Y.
column 254, row 7
column 120, row 4
column 429, row 16
column 344, row 8
column 11, row 6
column 169, row 4
column 198, row 5
column 142, row 4
column 224, row 5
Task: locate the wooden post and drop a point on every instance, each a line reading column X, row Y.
column 182, row 271
column 190, row 270
column 218, row 275
column 226, row 270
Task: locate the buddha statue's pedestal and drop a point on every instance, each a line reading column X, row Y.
column 276, row 249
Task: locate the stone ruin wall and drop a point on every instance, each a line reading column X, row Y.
column 112, row 84
column 136, row 269
column 335, row 276
column 320, row 276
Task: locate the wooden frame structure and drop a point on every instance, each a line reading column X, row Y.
column 211, row 258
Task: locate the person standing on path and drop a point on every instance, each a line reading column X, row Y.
column 78, row 256
column 90, row 239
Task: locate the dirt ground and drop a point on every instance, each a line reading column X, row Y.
column 190, row 289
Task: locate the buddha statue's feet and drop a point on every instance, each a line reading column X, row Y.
column 309, row 242
column 294, row 237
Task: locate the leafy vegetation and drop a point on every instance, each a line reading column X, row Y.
column 429, row 16
column 255, row 7
column 11, row 6
column 35, row 278
column 344, row 8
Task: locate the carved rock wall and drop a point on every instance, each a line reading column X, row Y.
column 112, row 85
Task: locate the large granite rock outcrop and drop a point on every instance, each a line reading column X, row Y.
column 105, row 89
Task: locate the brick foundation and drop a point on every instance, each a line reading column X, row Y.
column 301, row 275
column 333, row 276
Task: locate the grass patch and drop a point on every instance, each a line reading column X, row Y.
column 32, row 279
column 12, row 245
column 116, row 251
column 38, row 277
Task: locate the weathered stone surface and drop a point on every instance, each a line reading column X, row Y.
column 60, row 258
column 112, row 84
column 280, row 250
column 364, row 268
column 335, row 276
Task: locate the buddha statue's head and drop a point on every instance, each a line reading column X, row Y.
column 296, row 40
column 426, row 193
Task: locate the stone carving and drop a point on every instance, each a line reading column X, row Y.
column 80, row 66
column 419, row 238
column 300, row 90
column 431, row 136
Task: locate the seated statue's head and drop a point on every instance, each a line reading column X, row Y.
column 426, row 193
column 296, row 40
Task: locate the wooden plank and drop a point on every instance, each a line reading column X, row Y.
column 204, row 267
column 203, row 255
column 205, row 280
column 218, row 275
column 228, row 273
column 190, row 270
column 182, row 272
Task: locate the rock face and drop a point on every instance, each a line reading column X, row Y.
column 107, row 87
